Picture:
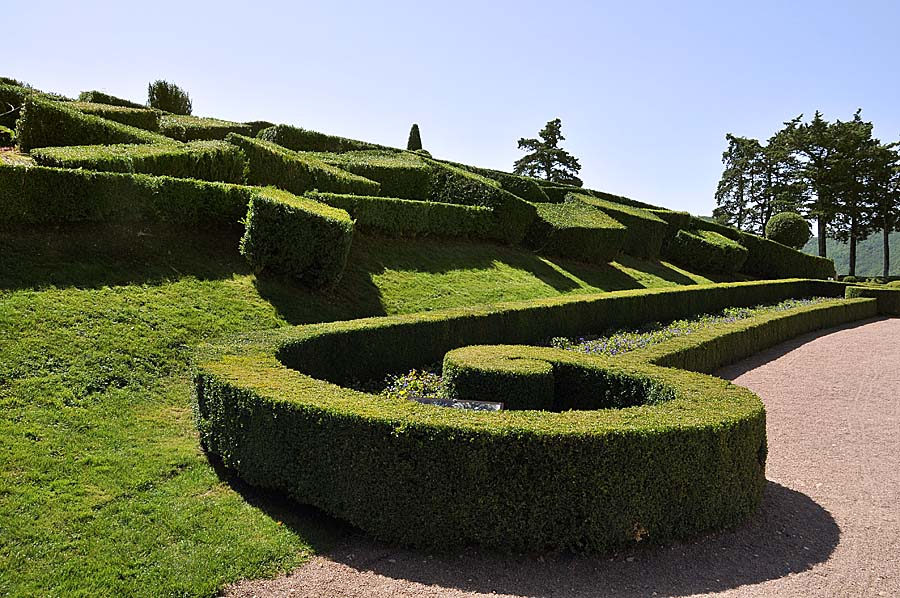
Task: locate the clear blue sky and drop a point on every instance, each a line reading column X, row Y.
column 646, row 90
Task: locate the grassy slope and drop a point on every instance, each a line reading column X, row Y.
column 103, row 487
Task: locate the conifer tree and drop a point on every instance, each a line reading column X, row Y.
column 415, row 140
column 547, row 160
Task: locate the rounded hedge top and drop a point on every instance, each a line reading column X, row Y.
column 788, row 229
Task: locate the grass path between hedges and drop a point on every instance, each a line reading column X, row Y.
column 103, row 487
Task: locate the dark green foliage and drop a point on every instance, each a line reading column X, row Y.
column 53, row 124
column 258, row 125
column 271, row 164
column 168, row 97
column 203, row 160
column 405, row 175
column 706, row 251
column 296, row 237
column 407, row 218
column 888, row 298
column 415, row 140
column 434, row 477
column 11, row 97
column 547, row 160
column 575, row 230
column 646, row 232
column 98, row 97
column 41, row 195
column 141, row 118
column 621, row 199
column 558, row 193
column 7, row 137
column 525, row 187
column 423, row 152
column 676, row 221
column 789, row 228
column 301, row 140
column 194, row 128
column 512, row 215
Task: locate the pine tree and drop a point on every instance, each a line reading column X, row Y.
column 415, row 140
column 169, row 97
column 547, row 160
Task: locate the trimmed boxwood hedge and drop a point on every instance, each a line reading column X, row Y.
column 7, row 137
column 646, row 232
column 142, row 118
column 403, row 175
column 525, row 480
column 395, row 217
column 621, row 199
column 575, row 230
column 203, row 160
column 525, row 187
column 706, row 251
column 52, row 124
column 271, row 164
column 42, row 195
column 888, row 299
column 258, row 125
column 11, row 96
column 296, row 237
column 98, row 97
column 194, row 128
column 302, row 140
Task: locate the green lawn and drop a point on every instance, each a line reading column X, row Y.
column 103, row 487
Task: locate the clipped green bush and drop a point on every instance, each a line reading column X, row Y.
column 296, row 237
column 42, row 195
column 98, row 97
column 788, row 229
column 11, row 97
column 194, row 128
column 405, row 175
column 302, row 140
column 888, row 298
column 258, row 125
column 168, row 97
column 135, row 117
column 525, row 187
column 415, row 139
column 7, row 137
column 395, row 217
column 522, row 480
column 53, row 124
column 203, row 160
column 621, row 199
column 271, row 164
column 645, row 232
column 676, row 221
column 706, row 251
column 558, row 193
column 575, row 230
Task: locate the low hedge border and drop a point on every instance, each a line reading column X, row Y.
column 706, row 251
column 142, row 118
column 646, row 232
column 395, row 217
column 193, row 128
column 98, row 97
column 202, row 160
column 888, row 299
column 302, row 140
column 525, row 480
column 575, row 230
column 272, row 164
column 296, row 237
column 53, row 124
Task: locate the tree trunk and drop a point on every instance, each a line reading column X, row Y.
column 852, row 250
column 887, row 249
column 820, row 227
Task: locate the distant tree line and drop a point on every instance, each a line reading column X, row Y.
column 836, row 173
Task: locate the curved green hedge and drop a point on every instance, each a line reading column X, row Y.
column 888, row 299
column 586, row 480
column 706, row 251
column 194, row 128
column 142, row 118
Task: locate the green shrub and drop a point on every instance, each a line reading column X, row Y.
column 42, row 195
column 645, row 232
column 98, row 97
column 850, row 279
column 407, row 218
column 203, row 160
column 523, row 480
column 575, row 230
column 168, row 97
column 888, row 299
column 621, row 199
column 301, row 140
column 194, row 128
column 558, row 193
column 271, row 164
column 415, row 139
column 525, row 187
column 404, row 175
column 706, row 251
column 135, row 117
column 54, row 124
column 423, row 152
column 788, row 229
column 258, row 125
column 7, row 137
column 296, row 237
column 676, row 221
column 11, row 96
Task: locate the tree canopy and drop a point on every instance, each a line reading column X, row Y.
column 169, row 97
column 546, row 159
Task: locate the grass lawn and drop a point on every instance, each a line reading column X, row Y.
column 103, row 487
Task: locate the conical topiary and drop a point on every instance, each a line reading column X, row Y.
column 415, row 140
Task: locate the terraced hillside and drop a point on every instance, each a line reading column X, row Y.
column 133, row 241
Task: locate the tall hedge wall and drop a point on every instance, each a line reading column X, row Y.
column 646, row 232
column 706, row 251
column 271, row 164
column 575, row 230
column 302, row 140
column 98, row 97
column 203, row 160
column 193, row 128
column 403, row 175
column 395, row 217
column 53, row 124
column 142, row 118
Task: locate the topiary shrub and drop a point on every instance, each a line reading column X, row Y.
column 415, row 140
column 576, row 231
column 163, row 95
column 7, row 137
column 423, row 152
column 788, row 229
column 706, row 251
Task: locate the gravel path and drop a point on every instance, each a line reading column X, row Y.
column 829, row 524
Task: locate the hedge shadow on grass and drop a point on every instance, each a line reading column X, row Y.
column 790, row 533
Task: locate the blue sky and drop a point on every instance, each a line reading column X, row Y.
column 646, row 90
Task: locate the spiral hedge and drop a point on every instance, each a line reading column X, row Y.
column 683, row 454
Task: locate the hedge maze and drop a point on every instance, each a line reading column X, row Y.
column 589, row 453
